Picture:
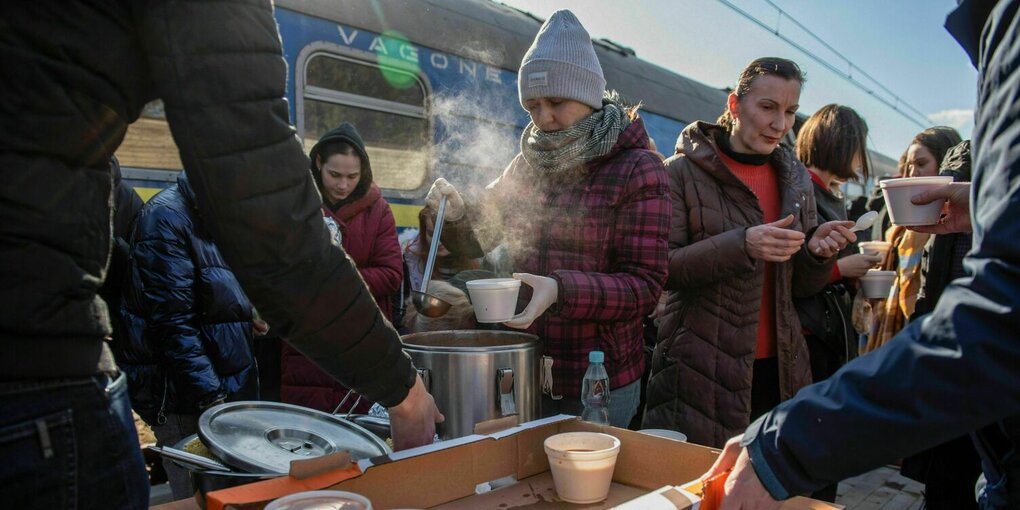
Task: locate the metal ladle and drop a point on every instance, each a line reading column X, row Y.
column 427, row 304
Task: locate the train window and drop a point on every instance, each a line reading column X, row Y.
column 386, row 104
column 148, row 143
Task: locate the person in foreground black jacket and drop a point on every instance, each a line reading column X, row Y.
column 75, row 75
column 953, row 372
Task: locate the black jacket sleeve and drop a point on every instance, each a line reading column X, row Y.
column 219, row 69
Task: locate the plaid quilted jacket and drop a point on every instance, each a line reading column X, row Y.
column 603, row 237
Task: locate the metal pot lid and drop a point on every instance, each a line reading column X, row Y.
column 266, row 436
column 469, row 341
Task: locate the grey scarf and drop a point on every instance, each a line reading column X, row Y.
column 556, row 152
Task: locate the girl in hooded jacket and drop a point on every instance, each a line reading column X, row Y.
column 365, row 226
column 584, row 215
column 744, row 242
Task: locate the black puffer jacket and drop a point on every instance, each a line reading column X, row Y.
column 826, row 316
column 75, row 75
column 189, row 324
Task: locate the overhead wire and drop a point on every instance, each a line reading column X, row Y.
column 894, row 104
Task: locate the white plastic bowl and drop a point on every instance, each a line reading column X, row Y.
column 310, row 500
column 666, row 433
column 902, row 211
column 874, row 247
column 582, row 465
column 876, row 284
column 494, row 299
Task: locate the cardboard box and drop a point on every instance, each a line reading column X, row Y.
column 445, row 475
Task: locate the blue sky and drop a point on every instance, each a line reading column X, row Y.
column 901, row 43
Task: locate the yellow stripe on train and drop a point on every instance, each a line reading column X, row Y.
column 406, row 215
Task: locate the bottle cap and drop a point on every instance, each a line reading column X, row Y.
column 596, row 357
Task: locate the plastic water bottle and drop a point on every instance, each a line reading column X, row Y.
column 595, row 390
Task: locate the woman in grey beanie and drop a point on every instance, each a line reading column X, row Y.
column 584, row 211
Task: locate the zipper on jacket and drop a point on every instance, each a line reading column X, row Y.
column 842, row 327
column 161, row 415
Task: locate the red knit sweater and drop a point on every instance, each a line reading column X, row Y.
column 763, row 182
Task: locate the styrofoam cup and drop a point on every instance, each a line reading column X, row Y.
column 666, row 433
column 494, row 299
column 582, row 465
column 874, row 247
column 902, row 211
column 310, row 500
column 876, row 284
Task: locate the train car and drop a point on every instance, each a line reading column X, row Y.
column 432, row 87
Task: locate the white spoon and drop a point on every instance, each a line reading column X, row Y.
column 865, row 221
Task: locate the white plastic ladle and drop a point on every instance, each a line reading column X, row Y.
column 865, row 221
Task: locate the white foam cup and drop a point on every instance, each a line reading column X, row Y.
column 582, row 465
column 876, row 284
column 666, row 433
column 874, row 247
column 311, row 500
column 494, row 299
column 902, row 211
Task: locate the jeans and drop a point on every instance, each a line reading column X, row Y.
column 70, row 443
column 177, row 427
column 623, row 404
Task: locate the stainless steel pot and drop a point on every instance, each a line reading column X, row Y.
column 205, row 481
column 476, row 376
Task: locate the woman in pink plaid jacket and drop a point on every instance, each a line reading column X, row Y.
column 584, row 213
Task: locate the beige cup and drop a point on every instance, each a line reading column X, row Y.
column 582, row 465
column 494, row 299
column 876, row 284
column 902, row 211
column 874, row 247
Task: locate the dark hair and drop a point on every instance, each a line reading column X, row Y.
column 771, row 66
column 332, row 148
column 938, row 140
column 830, row 139
column 901, row 165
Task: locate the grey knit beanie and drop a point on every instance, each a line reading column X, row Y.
column 561, row 62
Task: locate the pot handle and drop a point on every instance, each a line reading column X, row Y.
column 505, row 391
column 426, row 378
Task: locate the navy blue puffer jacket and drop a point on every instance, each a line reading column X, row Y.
column 189, row 323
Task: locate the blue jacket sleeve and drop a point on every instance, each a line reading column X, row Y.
column 954, row 371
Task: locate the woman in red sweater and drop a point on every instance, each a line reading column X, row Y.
column 368, row 233
column 744, row 241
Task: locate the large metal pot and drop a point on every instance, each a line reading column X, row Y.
column 476, row 376
column 258, row 440
column 205, row 481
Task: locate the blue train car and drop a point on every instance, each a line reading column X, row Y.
column 431, row 85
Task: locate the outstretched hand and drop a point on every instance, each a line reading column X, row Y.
column 413, row 421
column 743, row 490
column 957, row 217
column 857, row 265
column 773, row 242
column 830, row 237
